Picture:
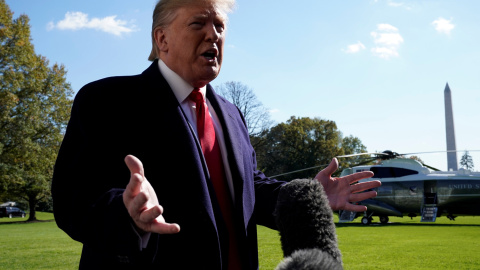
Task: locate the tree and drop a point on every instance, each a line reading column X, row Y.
column 352, row 145
column 466, row 162
column 417, row 158
column 256, row 115
column 301, row 145
column 35, row 101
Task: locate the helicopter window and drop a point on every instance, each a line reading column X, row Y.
column 385, row 190
column 389, row 172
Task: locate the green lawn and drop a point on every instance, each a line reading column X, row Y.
column 38, row 245
column 401, row 244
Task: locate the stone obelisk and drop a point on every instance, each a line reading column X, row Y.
column 450, row 131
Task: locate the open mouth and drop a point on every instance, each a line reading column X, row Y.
column 210, row 55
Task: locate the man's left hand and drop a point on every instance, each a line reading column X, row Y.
column 342, row 191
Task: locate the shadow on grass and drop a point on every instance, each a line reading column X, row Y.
column 424, row 224
column 24, row 221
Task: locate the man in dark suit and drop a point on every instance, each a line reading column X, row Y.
column 125, row 130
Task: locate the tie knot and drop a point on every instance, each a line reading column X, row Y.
column 196, row 95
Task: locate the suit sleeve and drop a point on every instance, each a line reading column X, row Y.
column 266, row 193
column 266, row 189
column 90, row 176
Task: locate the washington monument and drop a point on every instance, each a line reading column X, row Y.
column 450, row 128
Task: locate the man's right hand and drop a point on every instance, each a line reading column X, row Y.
column 142, row 203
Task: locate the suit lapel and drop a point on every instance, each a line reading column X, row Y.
column 230, row 128
column 160, row 91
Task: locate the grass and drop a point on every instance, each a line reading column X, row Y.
column 41, row 216
column 401, row 244
column 36, row 245
column 411, row 244
column 269, row 248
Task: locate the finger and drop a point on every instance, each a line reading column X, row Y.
column 155, row 222
column 134, row 165
column 165, row 228
column 137, row 176
column 358, row 197
column 149, row 215
column 353, row 178
column 138, row 204
column 134, row 186
column 365, row 185
column 331, row 168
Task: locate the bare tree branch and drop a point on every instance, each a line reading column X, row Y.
column 256, row 115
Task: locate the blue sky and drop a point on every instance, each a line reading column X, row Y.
column 376, row 68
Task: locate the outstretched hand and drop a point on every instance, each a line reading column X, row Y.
column 342, row 191
column 141, row 201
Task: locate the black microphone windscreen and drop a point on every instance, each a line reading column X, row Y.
column 304, row 218
column 309, row 259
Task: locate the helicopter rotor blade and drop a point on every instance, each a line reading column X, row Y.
column 386, row 155
column 444, row 151
column 361, row 154
column 430, row 167
column 323, row 165
column 365, row 162
column 431, row 152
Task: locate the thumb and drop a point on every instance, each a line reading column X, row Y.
column 134, row 165
column 331, row 168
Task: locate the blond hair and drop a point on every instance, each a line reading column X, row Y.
column 165, row 12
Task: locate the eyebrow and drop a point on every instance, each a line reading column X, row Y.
column 200, row 16
column 207, row 15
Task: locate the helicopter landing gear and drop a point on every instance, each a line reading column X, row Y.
column 384, row 219
column 451, row 217
column 366, row 220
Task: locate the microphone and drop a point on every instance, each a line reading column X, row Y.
column 309, row 259
column 307, row 231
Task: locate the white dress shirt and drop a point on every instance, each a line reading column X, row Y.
column 182, row 90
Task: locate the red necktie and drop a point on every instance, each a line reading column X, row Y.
column 213, row 157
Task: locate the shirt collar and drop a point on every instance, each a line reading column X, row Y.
column 180, row 87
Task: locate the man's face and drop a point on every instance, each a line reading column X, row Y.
column 192, row 45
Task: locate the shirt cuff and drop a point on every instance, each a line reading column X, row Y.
column 144, row 237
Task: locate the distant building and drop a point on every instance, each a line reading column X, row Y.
column 450, row 131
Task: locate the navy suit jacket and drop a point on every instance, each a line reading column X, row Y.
column 139, row 115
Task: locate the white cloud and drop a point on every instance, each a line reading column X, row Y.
column 443, row 25
column 386, row 27
column 355, row 48
column 274, row 111
column 387, row 40
column 398, row 5
column 395, row 4
column 385, row 52
column 79, row 20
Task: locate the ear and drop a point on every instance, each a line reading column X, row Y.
column 160, row 36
